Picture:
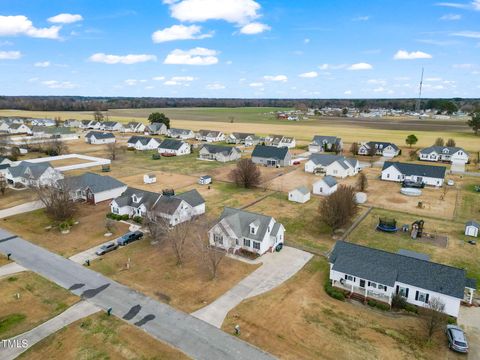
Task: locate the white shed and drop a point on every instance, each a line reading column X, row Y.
column 300, row 195
column 325, row 186
column 205, row 180
column 472, row 228
column 149, row 178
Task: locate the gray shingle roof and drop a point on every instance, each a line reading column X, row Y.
column 320, row 140
column 473, row 223
column 95, row 182
column 192, row 197
column 417, row 169
column 36, row 169
column 327, row 159
column 212, row 133
column 169, row 204
column 240, row 220
column 386, row 268
column 144, row 140
column 176, row 131
column 414, row 254
column 440, row 149
column 148, row 198
column 219, row 149
column 330, row 180
column 270, row 152
column 100, row 135
column 303, row 189
column 242, row 136
column 171, row 144
column 381, row 145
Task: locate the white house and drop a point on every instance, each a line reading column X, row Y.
column 149, row 178
column 98, row 138
column 280, row 141
column 271, row 156
column 18, row 129
column 91, row 124
column 243, row 230
column 325, row 186
column 428, row 174
column 182, row 134
column 210, row 136
column 156, row 129
column 72, row 123
column 174, row 147
column 322, row 143
column 134, row 202
column 219, row 153
column 333, row 165
column 42, row 122
column 143, row 143
column 386, row 149
column 379, row 275
column 241, row 138
column 300, row 195
column 112, row 126
column 454, row 155
column 94, row 188
column 472, row 228
column 32, row 174
column 135, row 127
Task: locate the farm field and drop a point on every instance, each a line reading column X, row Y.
column 39, row 300
column 101, row 337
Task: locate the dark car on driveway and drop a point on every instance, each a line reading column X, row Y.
column 129, row 237
column 107, row 248
column 413, row 184
column 456, row 339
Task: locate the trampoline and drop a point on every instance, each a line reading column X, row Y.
column 387, row 225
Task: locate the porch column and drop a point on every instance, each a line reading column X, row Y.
column 470, row 300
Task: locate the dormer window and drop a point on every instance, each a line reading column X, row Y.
column 254, row 228
column 136, row 199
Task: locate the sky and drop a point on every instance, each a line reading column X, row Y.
column 240, row 48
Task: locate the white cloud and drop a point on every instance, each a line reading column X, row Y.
column 405, row 55
column 133, row 82
column 179, row 32
column 10, row 55
column 467, row 34
column 331, row 66
column 306, row 41
column 254, row 28
column 310, row 74
column 255, row 84
column 182, row 78
column 433, row 79
column 122, row 59
column 474, row 5
column 179, row 80
column 362, row 18
column 360, row 66
column 451, row 17
column 21, row 25
column 54, row 84
column 347, row 92
column 275, row 78
column 196, row 56
column 65, row 18
column 233, row 11
column 215, row 86
column 43, row 64
column 463, row 66
column 158, row 78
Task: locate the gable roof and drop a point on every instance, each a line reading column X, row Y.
column 381, row 145
column 95, row 182
column 144, row 140
column 171, row 144
column 148, row 198
column 441, row 149
column 328, row 159
column 417, row 169
column 241, row 136
column 100, row 135
column 473, row 223
column 192, row 197
column 36, row 169
column 219, row 149
column 329, row 180
column 169, row 204
column 212, row 133
column 302, row 189
column 270, row 152
column 240, row 220
column 386, row 268
column 177, row 131
column 320, row 140
column 156, row 126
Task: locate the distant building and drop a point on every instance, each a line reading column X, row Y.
column 271, row 156
column 325, row 144
column 325, row 186
column 219, row 153
column 97, row 138
column 300, row 195
column 428, row 174
column 452, row 154
column 333, row 165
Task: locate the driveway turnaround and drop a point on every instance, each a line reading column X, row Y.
column 276, row 268
column 76, row 312
column 190, row 335
column 22, row 208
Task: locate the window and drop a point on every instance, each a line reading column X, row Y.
column 349, row 278
column 388, row 176
column 246, row 242
column 218, row 238
column 256, row 245
column 403, row 291
column 382, row 287
column 422, row 297
column 115, row 210
column 372, row 284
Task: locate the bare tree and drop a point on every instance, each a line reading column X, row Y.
column 354, row 149
column 178, row 237
column 451, row 143
column 362, row 182
column 246, row 174
column 113, row 150
column 211, row 254
column 98, row 116
column 439, row 142
column 3, row 184
column 157, row 227
column 339, row 208
column 55, row 147
column 434, row 316
column 372, row 150
column 56, row 198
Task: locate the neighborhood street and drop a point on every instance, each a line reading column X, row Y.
column 194, row 337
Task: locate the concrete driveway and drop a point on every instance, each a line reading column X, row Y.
column 22, row 208
column 469, row 320
column 276, row 268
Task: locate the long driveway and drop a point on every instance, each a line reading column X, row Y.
column 194, row 337
column 469, row 320
column 22, row 208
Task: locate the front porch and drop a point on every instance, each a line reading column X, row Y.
column 362, row 293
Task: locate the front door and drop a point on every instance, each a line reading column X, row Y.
column 362, row 283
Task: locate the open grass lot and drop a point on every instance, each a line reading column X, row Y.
column 101, row 337
column 66, row 162
column 305, row 323
column 469, row 208
column 85, row 235
column 153, row 271
column 39, row 301
column 458, row 252
column 14, row 197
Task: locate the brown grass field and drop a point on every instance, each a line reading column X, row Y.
column 16, row 197
column 85, row 235
column 39, row 301
column 153, row 271
column 101, row 337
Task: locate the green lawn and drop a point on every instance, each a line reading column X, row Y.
column 469, row 208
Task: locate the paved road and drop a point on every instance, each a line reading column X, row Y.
column 194, row 337
column 276, row 269
column 76, row 312
column 469, row 320
column 20, row 209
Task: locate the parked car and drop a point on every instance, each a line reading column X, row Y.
column 129, row 237
column 413, row 184
column 450, row 183
column 456, row 339
column 107, row 248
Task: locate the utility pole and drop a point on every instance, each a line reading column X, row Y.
column 417, row 106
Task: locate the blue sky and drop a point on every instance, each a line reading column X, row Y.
column 240, row 48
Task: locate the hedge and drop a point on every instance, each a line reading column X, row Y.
column 378, row 305
column 138, row 219
column 117, row 217
column 334, row 293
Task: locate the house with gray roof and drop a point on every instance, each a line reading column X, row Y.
column 134, row 202
column 72, row 123
column 322, row 143
column 300, row 195
column 94, row 188
column 210, row 136
column 42, row 122
column 91, row 124
column 182, row 134
column 381, row 148
column 271, row 156
column 472, row 228
column 135, row 127
column 379, row 275
column 333, row 165
column 451, row 154
column 156, row 129
column 243, row 230
column 112, row 126
column 248, row 139
column 98, row 138
column 428, row 174
column 14, row 128
column 219, row 153
column 172, row 147
column 280, row 141
column 325, row 186
column 32, row 174
column 143, row 143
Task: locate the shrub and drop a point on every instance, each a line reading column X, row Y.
column 130, row 149
column 156, row 156
column 117, row 217
column 378, row 305
column 399, row 302
column 451, row 320
column 411, row 308
column 64, row 225
column 138, row 219
column 334, row 293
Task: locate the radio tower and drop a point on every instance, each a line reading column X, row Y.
column 417, row 106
